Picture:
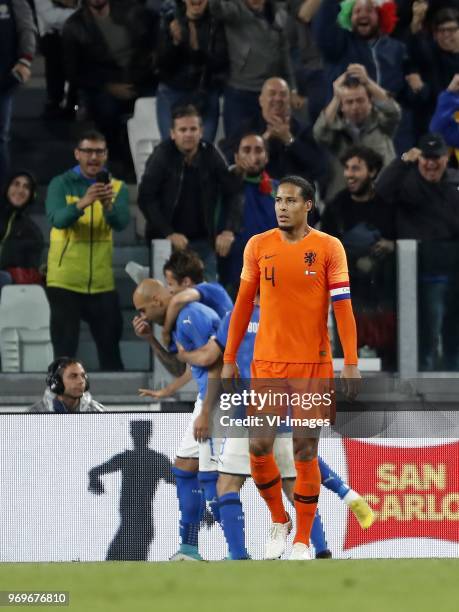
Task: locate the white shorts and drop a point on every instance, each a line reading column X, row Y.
column 207, row 452
column 234, row 456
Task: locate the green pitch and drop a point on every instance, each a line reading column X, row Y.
column 278, row 586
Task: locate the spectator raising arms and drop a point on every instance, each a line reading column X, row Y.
column 258, row 49
column 192, row 63
column 360, row 112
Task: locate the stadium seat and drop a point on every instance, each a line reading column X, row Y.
column 25, row 341
column 143, row 133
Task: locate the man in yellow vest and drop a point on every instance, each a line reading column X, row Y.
column 83, row 206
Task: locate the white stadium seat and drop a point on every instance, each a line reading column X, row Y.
column 143, row 133
column 25, row 341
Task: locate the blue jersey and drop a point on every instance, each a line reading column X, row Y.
column 245, row 353
column 195, row 324
column 215, row 296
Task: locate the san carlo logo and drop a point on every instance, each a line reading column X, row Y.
column 310, row 258
column 414, row 492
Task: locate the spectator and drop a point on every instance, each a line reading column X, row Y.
column 360, row 112
column 258, row 49
column 21, row 240
column 437, row 59
column 109, row 56
column 51, row 17
column 444, row 119
column 83, row 206
column 365, row 224
column 17, row 48
column 193, row 64
column 305, row 56
column 67, row 389
column 184, row 184
column 425, row 193
column 290, row 144
column 258, row 215
column 358, row 32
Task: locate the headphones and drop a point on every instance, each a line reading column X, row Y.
column 54, row 376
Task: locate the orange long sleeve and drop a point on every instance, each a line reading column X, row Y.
column 347, row 330
column 240, row 318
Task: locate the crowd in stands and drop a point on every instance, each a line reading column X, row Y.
column 360, row 97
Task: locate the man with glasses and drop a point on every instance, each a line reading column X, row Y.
column 84, row 205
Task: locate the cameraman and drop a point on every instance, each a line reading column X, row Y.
column 83, row 206
column 67, row 389
column 360, row 113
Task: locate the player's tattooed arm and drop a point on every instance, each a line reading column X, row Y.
column 169, row 360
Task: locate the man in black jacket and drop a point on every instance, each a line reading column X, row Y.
column 365, row 224
column 187, row 193
column 425, row 193
column 109, row 57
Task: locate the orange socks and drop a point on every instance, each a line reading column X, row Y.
column 266, row 476
column 306, row 496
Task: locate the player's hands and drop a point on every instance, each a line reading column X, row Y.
column 351, row 381
column 201, row 427
column 229, row 375
column 155, row 394
column 96, row 487
column 142, row 328
column 179, row 241
column 223, row 243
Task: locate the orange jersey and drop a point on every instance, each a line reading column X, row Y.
column 296, row 281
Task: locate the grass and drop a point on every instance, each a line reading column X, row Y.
column 403, row 585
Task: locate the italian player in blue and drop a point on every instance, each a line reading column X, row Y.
column 234, row 462
column 195, row 466
column 184, row 274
